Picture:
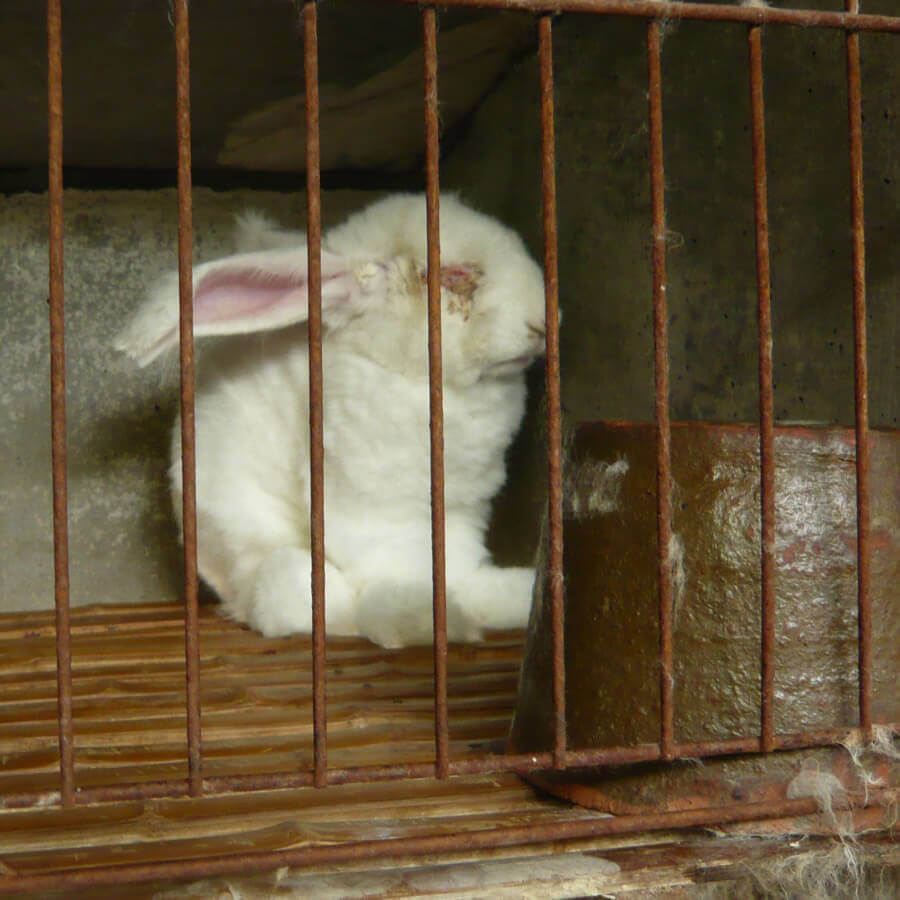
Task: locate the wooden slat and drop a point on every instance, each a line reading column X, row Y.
column 674, row 867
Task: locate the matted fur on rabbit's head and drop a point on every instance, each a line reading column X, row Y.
column 374, row 295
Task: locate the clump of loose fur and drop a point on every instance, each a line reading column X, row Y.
column 593, row 488
column 881, row 746
column 840, row 872
column 847, row 869
column 824, row 787
column 677, row 570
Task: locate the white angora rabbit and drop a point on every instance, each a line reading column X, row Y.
column 252, row 419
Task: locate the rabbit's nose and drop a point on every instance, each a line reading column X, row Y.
column 538, row 331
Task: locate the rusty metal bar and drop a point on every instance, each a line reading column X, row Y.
column 58, row 403
column 645, row 9
column 860, row 377
column 316, row 424
column 554, row 414
column 436, row 393
column 505, row 836
column 661, row 381
column 766, row 399
column 494, row 763
column 188, row 448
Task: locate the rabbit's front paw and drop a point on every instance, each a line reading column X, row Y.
column 282, row 596
column 394, row 614
column 492, row 597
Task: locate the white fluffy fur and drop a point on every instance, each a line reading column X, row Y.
column 252, row 420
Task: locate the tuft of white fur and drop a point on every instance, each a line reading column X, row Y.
column 676, row 560
column 837, row 872
column 845, row 869
column 254, row 230
column 824, row 787
column 881, row 745
column 594, row 488
column 252, row 418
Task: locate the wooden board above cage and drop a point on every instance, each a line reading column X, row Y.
column 246, row 82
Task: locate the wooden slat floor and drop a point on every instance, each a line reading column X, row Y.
column 129, row 725
column 256, row 698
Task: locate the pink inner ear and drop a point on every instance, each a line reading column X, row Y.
column 235, row 295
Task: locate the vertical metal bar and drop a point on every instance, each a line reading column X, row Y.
column 316, row 424
column 554, row 415
column 186, row 332
column 766, row 401
column 860, row 372
column 436, row 398
column 661, row 378
column 58, row 402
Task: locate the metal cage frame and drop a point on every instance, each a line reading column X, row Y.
column 851, row 22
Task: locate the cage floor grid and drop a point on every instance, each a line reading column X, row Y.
column 256, row 695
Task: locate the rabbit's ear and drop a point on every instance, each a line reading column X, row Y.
column 238, row 295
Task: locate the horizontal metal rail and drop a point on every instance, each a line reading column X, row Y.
column 485, row 764
column 706, row 12
column 245, row 863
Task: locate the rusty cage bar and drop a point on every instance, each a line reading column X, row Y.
column 554, row 414
column 58, row 400
column 851, row 22
column 435, row 390
column 186, row 356
column 661, row 384
column 766, row 391
column 316, row 427
column 860, row 376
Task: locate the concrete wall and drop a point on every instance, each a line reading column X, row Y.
column 123, row 543
column 604, row 215
column 604, row 212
